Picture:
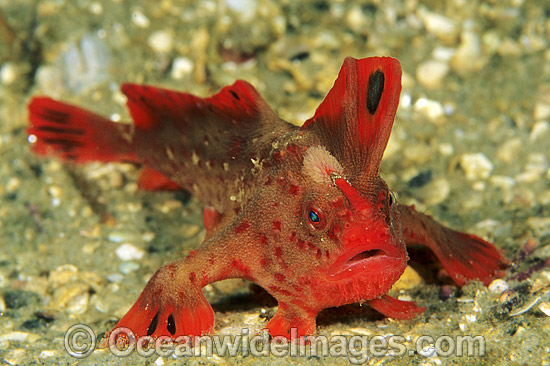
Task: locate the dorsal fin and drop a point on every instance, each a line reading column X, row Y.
column 355, row 119
column 150, row 106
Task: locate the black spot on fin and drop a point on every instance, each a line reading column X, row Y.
column 171, row 325
column 375, row 90
column 153, row 325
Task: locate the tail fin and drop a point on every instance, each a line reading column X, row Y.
column 464, row 256
column 75, row 134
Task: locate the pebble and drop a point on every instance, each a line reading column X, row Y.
column 246, row 9
column 539, row 129
column 120, row 236
column 129, row 252
column 47, row 353
column 140, row 19
column 181, row 67
column 431, row 109
column 468, row 57
column 128, row 267
column 541, row 111
column 63, row 274
column 435, row 191
column 540, row 225
column 498, row 286
column 15, row 357
column 439, row 25
column 115, row 278
column 19, row 337
column 72, row 297
column 430, row 74
column 509, row 150
column 476, row 166
column 161, row 41
column 8, row 73
column 409, row 280
column 545, row 308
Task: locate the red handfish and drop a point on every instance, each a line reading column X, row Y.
column 301, row 211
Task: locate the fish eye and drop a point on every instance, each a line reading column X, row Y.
column 316, row 217
column 313, row 217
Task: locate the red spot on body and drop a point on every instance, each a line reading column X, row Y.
column 211, row 259
column 192, row 253
column 240, row 266
column 301, row 244
column 263, row 239
column 278, row 252
column 242, row 227
column 292, row 148
column 319, row 253
column 276, row 225
column 279, row 277
column 292, row 236
column 192, row 277
column 236, row 149
column 265, row 261
column 311, row 246
column 181, row 294
column 280, row 290
column 297, row 288
column 294, row 189
column 275, row 204
column 172, row 269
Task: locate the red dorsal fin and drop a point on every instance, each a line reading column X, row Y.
column 150, row 106
column 355, row 119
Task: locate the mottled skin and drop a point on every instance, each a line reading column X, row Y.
column 302, row 212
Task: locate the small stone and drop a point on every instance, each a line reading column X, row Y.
column 439, row 25
column 72, row 297
column 539, row 129
column 409, row 279
column 181, row 67
column 8, row 73
column 161, row 41
column 431, row 109
column 128, row 267
column 435, row 191
column 120, row 236
column 540, row 225
column 13, row 184
column 545, row 308
column 23, row 337
column 476, row 166
column 15, row 357
column 129, row 252
column 541, row 111
column 63, row 274
column 246, row 9
column 468, row 57
column 509, row 150
column 430, row 74
column 115, row 278
column 47, row 353
column 498, row 286
column 140, row 19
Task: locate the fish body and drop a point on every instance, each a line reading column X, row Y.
column 301, row 211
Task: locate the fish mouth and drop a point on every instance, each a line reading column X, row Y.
column 363, row 261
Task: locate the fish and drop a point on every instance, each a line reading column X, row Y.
column 300, row 211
